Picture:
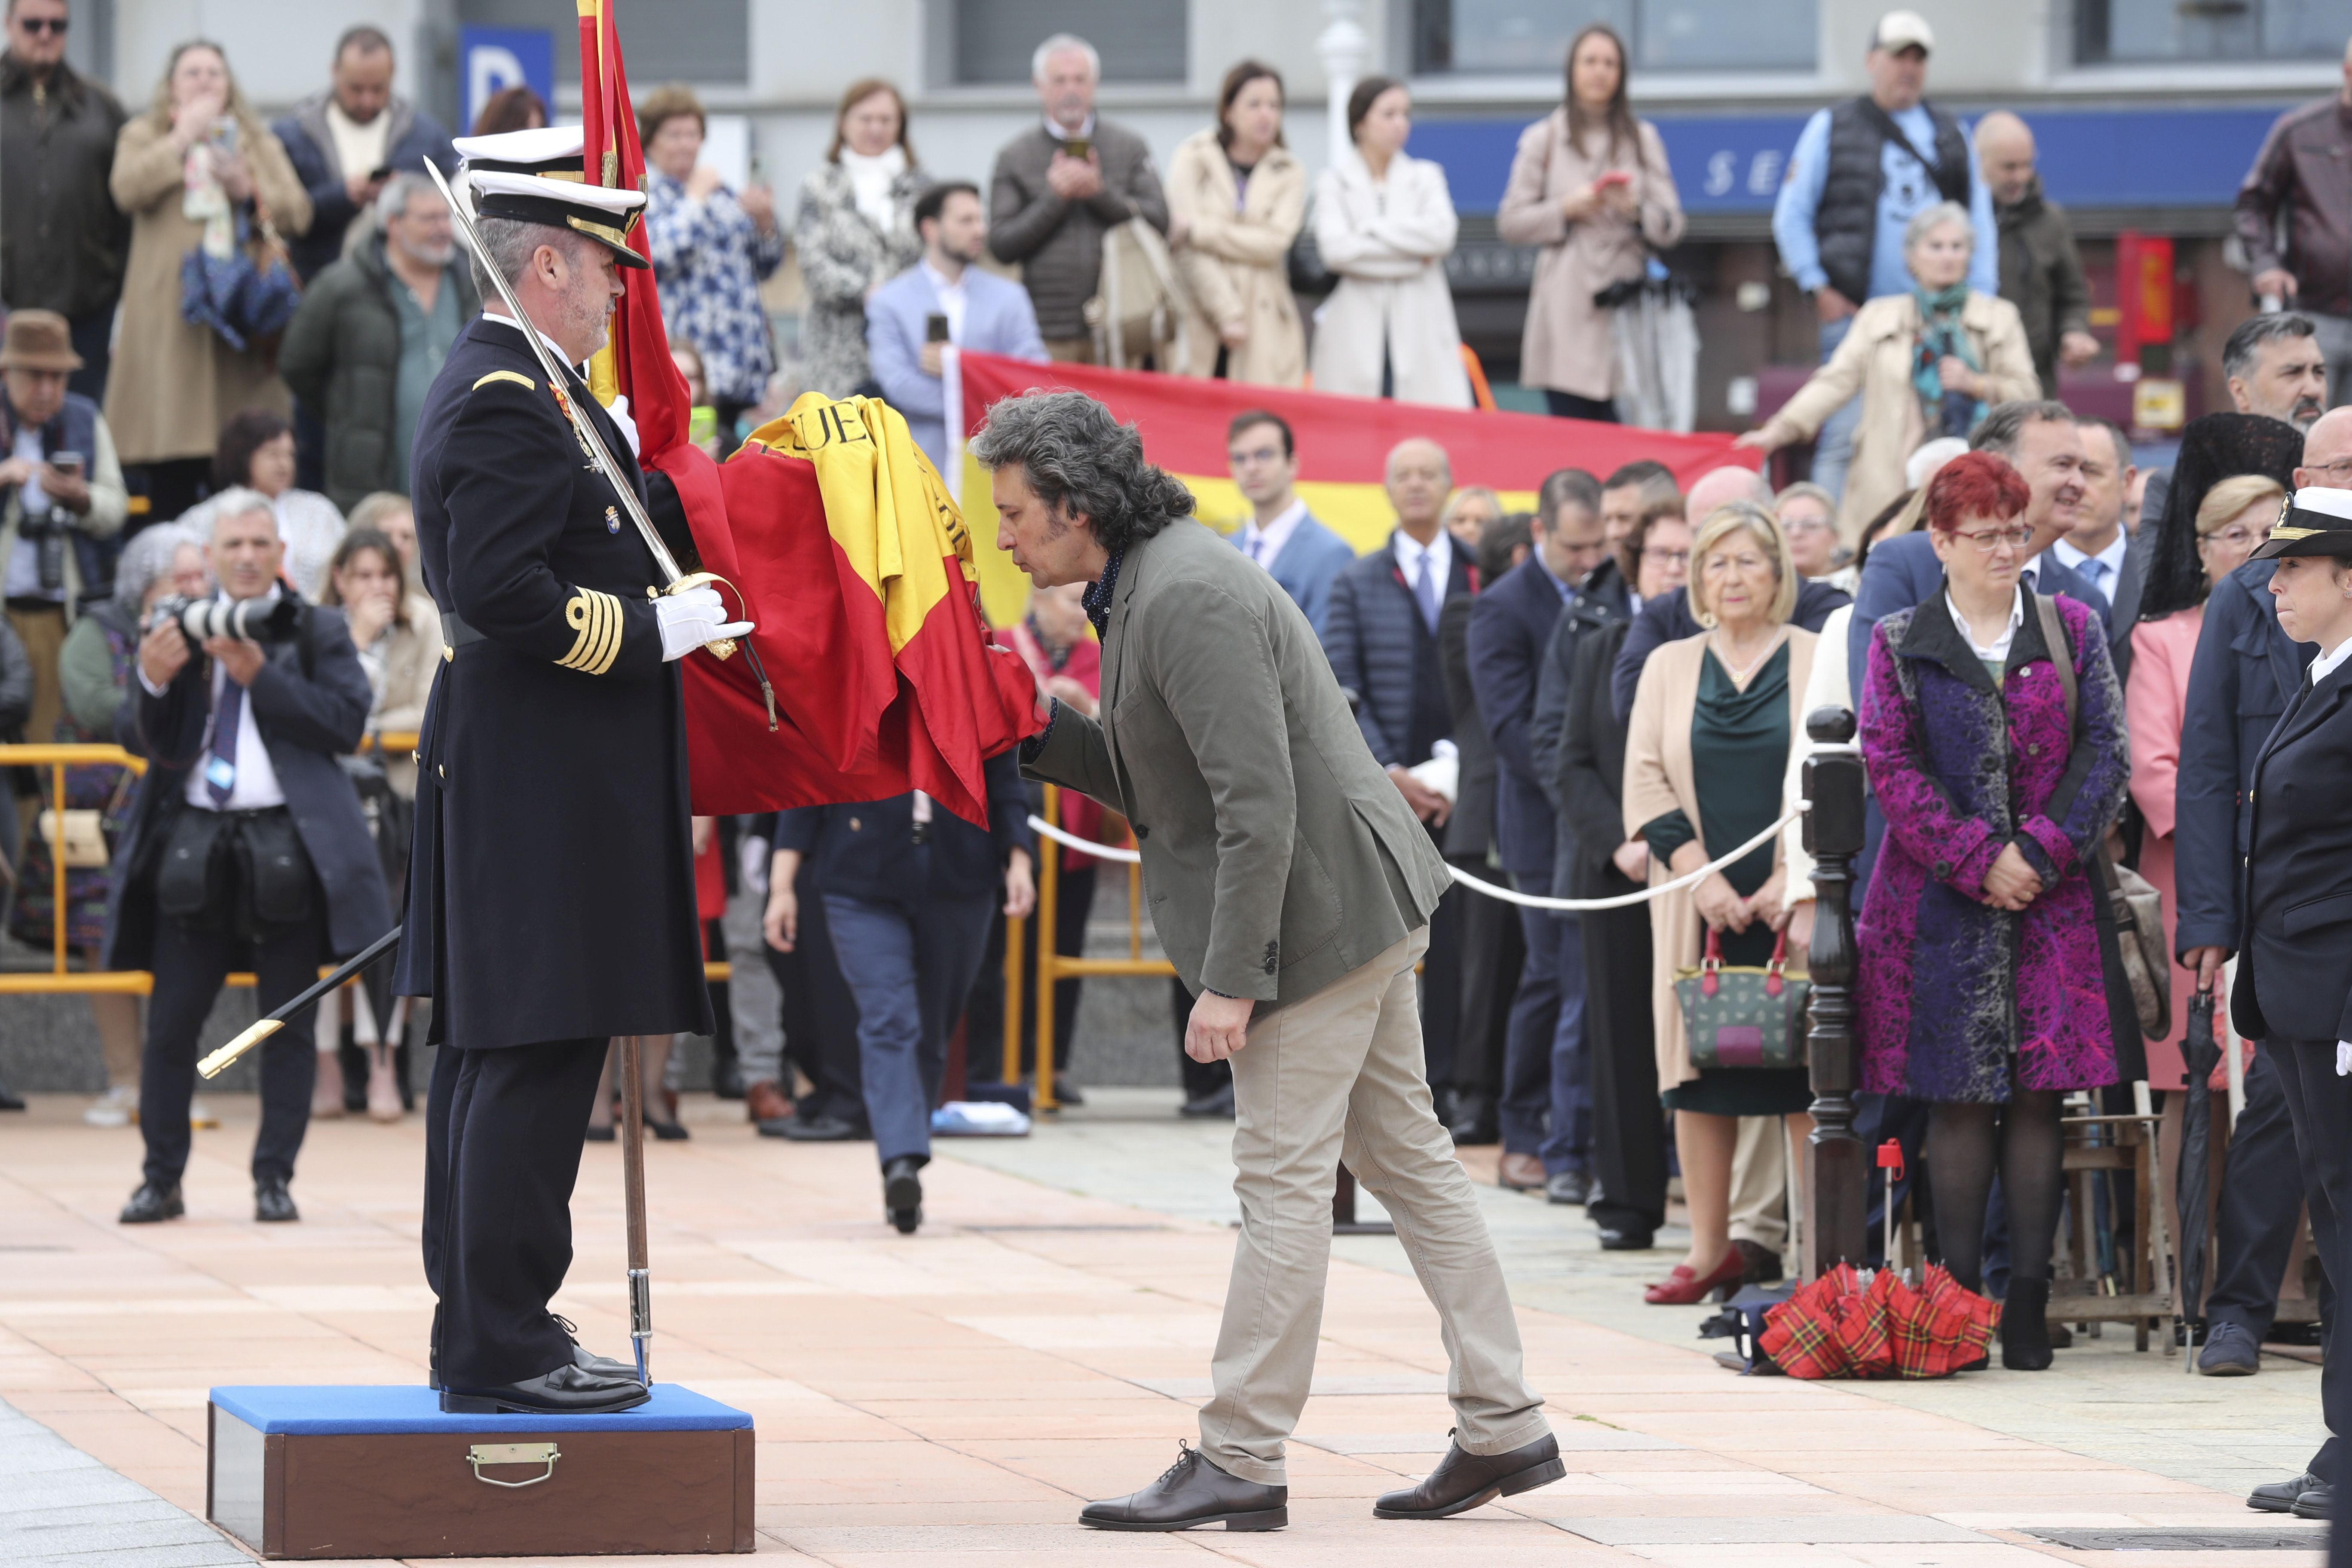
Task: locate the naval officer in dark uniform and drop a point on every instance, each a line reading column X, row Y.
column 2294, row 988
column 551, row 897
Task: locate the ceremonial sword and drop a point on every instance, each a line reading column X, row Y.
column 674, row 580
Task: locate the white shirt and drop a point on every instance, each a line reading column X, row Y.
column 1440, row 553
column 492, row 313
column 359, row 149
column 2110, row 563
column 952, row 296
column 1997, row 649
column 2324, row 665
column 1054, row 128
column 1263, row 544
column 24, row 580
column 257, row 781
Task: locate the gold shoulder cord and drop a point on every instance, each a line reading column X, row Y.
column 518, row 379
column 596, row 617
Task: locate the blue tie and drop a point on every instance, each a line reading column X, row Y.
column 2096, row 570
column 1427, row 592
column 220, row 773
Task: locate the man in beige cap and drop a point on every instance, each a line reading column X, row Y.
column 60, row 494
column 1860, row 173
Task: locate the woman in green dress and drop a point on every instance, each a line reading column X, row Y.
column 1713, row 719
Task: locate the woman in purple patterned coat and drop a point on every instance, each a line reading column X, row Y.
column 1981, row 988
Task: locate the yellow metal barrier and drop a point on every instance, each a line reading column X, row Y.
column 1052, row 966
column 60, row 979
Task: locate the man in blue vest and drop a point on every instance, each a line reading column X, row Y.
column 1861, row 171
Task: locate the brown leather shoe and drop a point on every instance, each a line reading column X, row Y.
column 763, row 1102
column 1520, row 1174
column 1462, row 1481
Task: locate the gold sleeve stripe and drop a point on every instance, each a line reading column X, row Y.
column 517, row 377
column 596, row 617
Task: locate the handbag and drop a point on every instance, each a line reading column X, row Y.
column 248, row 294
column 2132, row 903
column 1739, row 1017
column 77, row 836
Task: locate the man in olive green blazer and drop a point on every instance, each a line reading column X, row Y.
column 1291, row 888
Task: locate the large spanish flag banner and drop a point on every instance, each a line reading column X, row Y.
column 1343, row 447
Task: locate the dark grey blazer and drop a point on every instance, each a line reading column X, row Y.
column 1277, row 855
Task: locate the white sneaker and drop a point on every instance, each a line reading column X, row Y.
column 118, row 1106
column 200, row 1116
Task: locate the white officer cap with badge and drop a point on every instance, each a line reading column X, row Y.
column 604, row 216
column 551, row 152
column 2315, row 520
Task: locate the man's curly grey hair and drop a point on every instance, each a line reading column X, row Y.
column 1082, row 462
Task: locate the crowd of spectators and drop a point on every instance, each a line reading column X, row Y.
column 1598, row 695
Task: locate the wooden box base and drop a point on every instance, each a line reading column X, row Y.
column 381, row 1472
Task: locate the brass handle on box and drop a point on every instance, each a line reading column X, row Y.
column 482, row 1454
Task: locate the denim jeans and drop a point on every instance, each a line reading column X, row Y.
column 1833, row 443
column 910, row 963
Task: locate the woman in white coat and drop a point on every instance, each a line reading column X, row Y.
column 1384, row 223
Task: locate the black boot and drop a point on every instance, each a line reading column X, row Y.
column 354, row 1063
column 2025, row 1326
column 902, row 1193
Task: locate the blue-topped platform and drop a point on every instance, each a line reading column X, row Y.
column 343, row 1410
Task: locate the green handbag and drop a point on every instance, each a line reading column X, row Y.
column 1742, row 1017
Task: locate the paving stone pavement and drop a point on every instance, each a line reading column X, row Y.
column 951, row 1398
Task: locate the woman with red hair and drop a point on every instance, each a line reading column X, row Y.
column 1982, row 987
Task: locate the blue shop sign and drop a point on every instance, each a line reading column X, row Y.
column 1734, row 163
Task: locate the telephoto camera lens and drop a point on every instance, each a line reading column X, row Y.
column 249, row 619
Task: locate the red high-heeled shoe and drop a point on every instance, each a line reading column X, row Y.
column 1681, row 1288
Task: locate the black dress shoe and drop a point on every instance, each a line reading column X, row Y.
column 582, row 1356
column 592, row 1133
column 902, row 1193
column 1759, row 1265
column 811, row 1129
column 1068, row 1092
column 1471, row 1119
column 10, row 1100
column 272, row 1203
column 152, row 1203
column 2315, row 1502
column 1464, row 1480
column 1218, row 1103
column 1627, row 1240
column 667, row 1132
column 2278, row 1496
column 1193, row 1491
column 1571, row 1187
column 569, row 1390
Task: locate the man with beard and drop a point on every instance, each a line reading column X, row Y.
column 2274, row 366
column 372, row 333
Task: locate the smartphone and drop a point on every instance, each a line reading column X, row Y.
column 1078, row 147
column 935, row 328
column 224, row 132
column 380, row 174
column 66, row 462
column 1614, row 177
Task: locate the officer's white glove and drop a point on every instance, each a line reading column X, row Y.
column 2343, row 1058
column 619, row 415
column 692, row 618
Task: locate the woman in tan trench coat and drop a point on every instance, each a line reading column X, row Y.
column 1882, row 359
column 1715, row 717
column 176, row 168
column 1237, row 197
column 1590, row 185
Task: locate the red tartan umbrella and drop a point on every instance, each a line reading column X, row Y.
column 1838, row 1326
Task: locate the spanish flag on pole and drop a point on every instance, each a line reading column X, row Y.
column 843, row 545
column 1343, row 447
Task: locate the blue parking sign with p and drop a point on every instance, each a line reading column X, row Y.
column 492, row 59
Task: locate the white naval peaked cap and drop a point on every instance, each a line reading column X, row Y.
column 551, row 149
column 2335, row 503
column 603, row 215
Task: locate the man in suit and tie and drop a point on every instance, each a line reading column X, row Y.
column 1380, row 635
column 1547, row 1101
column 2097, row 549
column 2247, row 669
column 1282, row 535
column 1292, row 890
column 945, row 297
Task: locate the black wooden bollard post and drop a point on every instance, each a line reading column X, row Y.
column 1836, row 1164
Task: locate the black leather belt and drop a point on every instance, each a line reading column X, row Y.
column 456, row 633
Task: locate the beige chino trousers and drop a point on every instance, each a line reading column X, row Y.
column 1339, row 1076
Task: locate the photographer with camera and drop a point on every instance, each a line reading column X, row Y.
column 247, row 847
column 60, row 494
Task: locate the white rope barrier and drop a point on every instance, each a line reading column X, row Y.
column 1509, row 895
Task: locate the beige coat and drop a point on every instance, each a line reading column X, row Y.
column 412, row 658
column 174, row 385
column 1387, row 244
column 1658, row 779
column 1570, row 346
column 1874, row 360
column 1235, row 265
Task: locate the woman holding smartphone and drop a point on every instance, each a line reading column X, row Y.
column 1590, row 184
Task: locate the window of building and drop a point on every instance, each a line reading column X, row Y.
column 1518, row 36
column 676, row 40
column 2120, row 32
column 1138, row 43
